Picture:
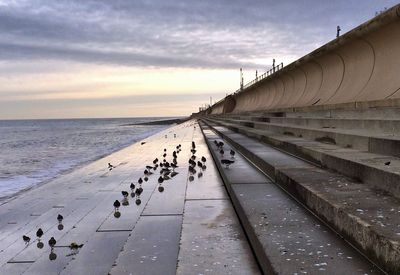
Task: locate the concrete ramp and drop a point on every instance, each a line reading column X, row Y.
column 362, row 65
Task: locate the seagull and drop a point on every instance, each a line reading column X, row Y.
column 220, row 144
column 146, row 179
column 148, row 167
column 155, row 161
column 199, row 164
column 125, row 194
column 232, row 153
column 39, row 233
column 160, row 189
column 203, row 159
column 117, row 204
column 52, row 242
column 164, row 155
column 193, row 145
column 138, row 201
column 221, row 151
column 173, row 165
column 26, row 239
column 227, row 162
column 165, row 149
column 160, row 180
column 387, row 163
column 60, row 218
column 110, row 166
column 132, row 186
column 192, row 170
column 140, row 181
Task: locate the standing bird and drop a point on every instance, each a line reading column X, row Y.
column 26, row 239
column 124, row 194
column 39, row 233
column 140, row 181
column 203, row 159
column 132, row 186
column 221, row 152
column 387, row 163
column 232, row 153
column 60, row 218
column 117, row 204
column 52, row 242
column 227, row 162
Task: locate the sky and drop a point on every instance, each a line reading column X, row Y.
column 131, row 58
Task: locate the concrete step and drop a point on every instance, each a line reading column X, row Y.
column 366, row 167
column 360, row 139
column 363, row 216
column 372, row 126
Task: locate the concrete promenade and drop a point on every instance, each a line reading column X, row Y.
column 189, row 228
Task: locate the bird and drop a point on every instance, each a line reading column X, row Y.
column 220, row 144
column 387, row 163
column 160, row 189
column 52, row 242
column 193, row 144
column 132, row 186
column 200, row 174
column 164, row 155
column 60, row 218
column 142, row 143
column 203, row 159
column 139, row 191
column 192, row 170
column 117, row 204
column 146, row 179
column 165, row 149
column 26, row 239
column 173, row 165
column 166, row 177
column 160, row 179
column 124, row 194
column 155, row 160
column 110, row 166
column 138, row 201
column 39, row 233
column 140, row 181
column 232, row 153
column 221, row 151
column 148, row 167
column 173, row 174
column 193, row 157
column 227, row 162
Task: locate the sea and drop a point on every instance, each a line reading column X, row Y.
column 35, row 151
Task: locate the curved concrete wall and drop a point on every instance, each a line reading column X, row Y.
column 362, row 65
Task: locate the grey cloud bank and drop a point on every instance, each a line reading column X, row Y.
column 163, row 33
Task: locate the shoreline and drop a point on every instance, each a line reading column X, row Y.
column 9, row 198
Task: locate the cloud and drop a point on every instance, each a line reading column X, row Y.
column 171, row 33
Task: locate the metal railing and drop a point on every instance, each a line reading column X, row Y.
column 261, row 77
column 254, row 81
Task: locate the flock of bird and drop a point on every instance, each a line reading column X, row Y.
column 220, row 147
column 166, row 172
column 52, row 241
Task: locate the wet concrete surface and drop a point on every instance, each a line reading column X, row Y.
column 85, row 198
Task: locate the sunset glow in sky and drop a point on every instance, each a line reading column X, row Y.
column 100, row 58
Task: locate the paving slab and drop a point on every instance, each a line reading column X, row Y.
column 171, row 200
column 213, row 241
column 99, row 254
column 152, row 247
